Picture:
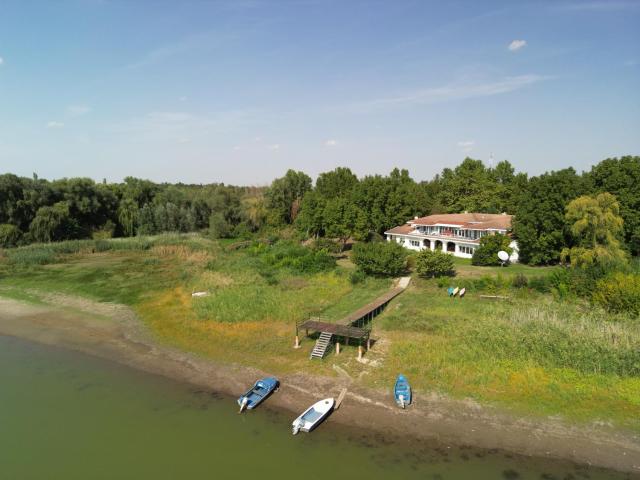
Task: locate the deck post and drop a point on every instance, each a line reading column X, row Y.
column 297, row 344
column 368, row 344
column 359, row 352
column 337, row 348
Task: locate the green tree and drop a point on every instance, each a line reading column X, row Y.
column 434, row 263
column 340, row 218
column 596, row 227
column 10, row 235
column 619, row 293
column 621, row 177
column 380, row 258
column 490, row 245
column 52, row 224
column 128, row 215
column 336, row 183
column 284, row 196
column 310, row 221
column 539, row 223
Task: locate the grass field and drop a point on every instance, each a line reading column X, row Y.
column 532, row 353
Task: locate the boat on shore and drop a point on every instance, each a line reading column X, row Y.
column 258, row 393
column 313, row 416
column 402, row 391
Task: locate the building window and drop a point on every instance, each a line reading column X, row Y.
column 415, row 243
column 467, row 250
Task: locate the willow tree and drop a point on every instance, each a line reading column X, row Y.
column 596, row 227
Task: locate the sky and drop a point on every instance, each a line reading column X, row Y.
column 239, row 91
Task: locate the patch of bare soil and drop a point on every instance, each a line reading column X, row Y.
column 113, row 332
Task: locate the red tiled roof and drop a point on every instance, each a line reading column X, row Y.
column 478, row 221
column 402, row 229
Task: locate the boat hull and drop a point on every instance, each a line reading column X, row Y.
column 257, row 394
column 313, row 416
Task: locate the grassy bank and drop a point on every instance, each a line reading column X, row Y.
column 531, row 353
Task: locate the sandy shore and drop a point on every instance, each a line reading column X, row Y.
column 113, row 332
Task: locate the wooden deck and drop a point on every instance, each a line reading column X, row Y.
column 354, row 326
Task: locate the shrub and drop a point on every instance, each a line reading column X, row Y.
column 434, row 263
column 327, row 244
column 300, row 259
column 619, row 293
column 487, row 253
column 357, row 276
column 520, row 281
column 10, row 235
column 380, row 258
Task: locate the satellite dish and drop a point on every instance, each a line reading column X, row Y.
column 502, row 255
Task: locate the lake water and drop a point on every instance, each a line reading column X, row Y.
column 64, row 415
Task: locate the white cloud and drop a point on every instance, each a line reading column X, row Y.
column 54, row 124
column 450, row 92
column 331, row 143
column 467, row 145
column 275, row 146
column 516, row 45
column 1, row 61
column 78, row 110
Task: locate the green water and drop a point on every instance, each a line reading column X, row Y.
column 68, row 416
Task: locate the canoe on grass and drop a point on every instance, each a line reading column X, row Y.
column 313, row 415
column 402, row 391
column 256, row 394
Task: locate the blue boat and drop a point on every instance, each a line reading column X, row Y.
column 402, row 391
column 256, row 394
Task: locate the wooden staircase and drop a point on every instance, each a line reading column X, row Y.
column 322, row 345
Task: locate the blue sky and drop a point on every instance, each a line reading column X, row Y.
column 240, row 91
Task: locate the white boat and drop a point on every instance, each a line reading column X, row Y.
column 313, row 416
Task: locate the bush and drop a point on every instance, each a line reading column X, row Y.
column 487, row 253
column 10, row 235
column 380, row 258
column 357, row 276
column 520, row 281
column 434, row 263
column 619, row 293
column 285, row 254
column 327, row 244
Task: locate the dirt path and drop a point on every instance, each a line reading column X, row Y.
column 113, row 332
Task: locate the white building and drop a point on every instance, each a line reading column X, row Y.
column 458, row 233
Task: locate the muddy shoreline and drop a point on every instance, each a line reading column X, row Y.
column 113, row 332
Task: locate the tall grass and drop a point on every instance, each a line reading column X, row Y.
column 531, row 328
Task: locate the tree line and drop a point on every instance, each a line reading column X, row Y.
column 339, row 205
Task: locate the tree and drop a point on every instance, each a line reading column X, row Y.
column 53, row 224
column 336, row 183
column 284, row 196
column 10, row 235
column 596, row 227
column 539, row 223
column 434, row 263
column 621, row 177
column 490, row 245
column 468, row 187
column 128, row 215
column 380, row 258
column 340, row 218
column 310, row 220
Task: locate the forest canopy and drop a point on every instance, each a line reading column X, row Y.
column 340, row 205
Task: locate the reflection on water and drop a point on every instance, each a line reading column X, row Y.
column 65, row 415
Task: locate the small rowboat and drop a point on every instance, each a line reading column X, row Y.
column 455, row 291
column 312, row 417
column 402, row 391
column 462, row 292
column 258, row 393
column 450, row 291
